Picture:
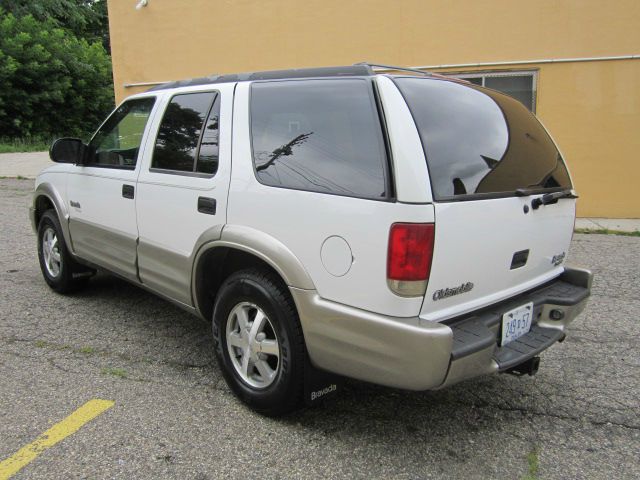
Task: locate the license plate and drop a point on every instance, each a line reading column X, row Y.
column 516, row 323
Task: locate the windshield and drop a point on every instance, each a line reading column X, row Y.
column 480, row 142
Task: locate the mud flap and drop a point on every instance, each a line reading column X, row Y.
column 319, row 384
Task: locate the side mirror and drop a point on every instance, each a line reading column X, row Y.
column 68, row 150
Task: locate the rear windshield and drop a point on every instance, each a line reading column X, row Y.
column 480, row 142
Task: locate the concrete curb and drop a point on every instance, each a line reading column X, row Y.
column 619, row 224
column 27, row 164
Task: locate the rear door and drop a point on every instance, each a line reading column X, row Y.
column 183, row 186
column 489, row 162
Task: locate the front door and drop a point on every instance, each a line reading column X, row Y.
column 182, row 188
column 101, row 193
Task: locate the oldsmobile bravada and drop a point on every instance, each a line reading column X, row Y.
column 403, row 229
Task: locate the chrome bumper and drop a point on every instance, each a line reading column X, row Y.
column 415, row 354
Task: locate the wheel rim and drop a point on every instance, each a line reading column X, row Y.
column 51, row 252
column 253, row 345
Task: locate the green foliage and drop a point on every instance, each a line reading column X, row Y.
column 606, row 231
column 31, row 144
column 85, row 18
column 51, row 82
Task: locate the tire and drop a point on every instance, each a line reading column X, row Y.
column 271, row 384
column 61, row 272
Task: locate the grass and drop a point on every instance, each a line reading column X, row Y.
column 534, row 465
column 29, row 144
column 116, row 372
column 86, row 350
column 606, row 231
column 19, row 177
column 51, row 346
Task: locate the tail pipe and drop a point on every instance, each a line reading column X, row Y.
column 529, row 367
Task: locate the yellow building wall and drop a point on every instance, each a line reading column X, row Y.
column 592, row 109
column 593, row 112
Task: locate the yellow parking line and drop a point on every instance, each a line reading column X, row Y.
column 55, row 434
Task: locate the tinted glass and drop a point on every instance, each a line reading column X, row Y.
column 479, row 141
column 180, row 130
column 118, row 140
column 209, row 148
column 318, row 135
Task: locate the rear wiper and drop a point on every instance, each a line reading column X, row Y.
column 553, row 197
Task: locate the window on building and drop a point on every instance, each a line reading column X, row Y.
column 520, row 85
column 182, row 144
column 319, row 135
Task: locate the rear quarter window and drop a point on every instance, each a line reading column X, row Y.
column 320, row 136
column 480, row 142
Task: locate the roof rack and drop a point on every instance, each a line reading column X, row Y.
column 413, row 70
column 393, row 67
column 363, row 69
column 348, row 71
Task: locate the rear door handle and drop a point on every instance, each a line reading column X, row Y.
column 207, row 205
column 128, row 191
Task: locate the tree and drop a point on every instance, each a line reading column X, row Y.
column 51, row 82
column 85, row 18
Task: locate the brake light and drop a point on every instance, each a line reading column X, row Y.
column 409, row 257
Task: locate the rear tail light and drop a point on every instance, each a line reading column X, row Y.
column 409, row 258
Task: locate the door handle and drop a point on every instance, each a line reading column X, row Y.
column 128, row 191
column 207, row 205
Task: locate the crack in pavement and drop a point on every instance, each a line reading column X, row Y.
column 50, row 346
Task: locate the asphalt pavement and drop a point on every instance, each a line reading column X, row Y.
column 174, row 417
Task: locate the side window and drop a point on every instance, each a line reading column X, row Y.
column 183, row 145
column 117, row 142
column 319, row 135
column 208, row 154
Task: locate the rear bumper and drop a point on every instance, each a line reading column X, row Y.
column 415, row 354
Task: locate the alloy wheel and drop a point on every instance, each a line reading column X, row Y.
column 252, row 345
column 51, row 252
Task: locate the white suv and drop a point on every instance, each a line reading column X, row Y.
column 407, row 230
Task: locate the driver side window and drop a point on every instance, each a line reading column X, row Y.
column 117, row 142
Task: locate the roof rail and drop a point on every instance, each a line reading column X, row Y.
column 348, row 71
column 393, row 67
column 414, row 70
